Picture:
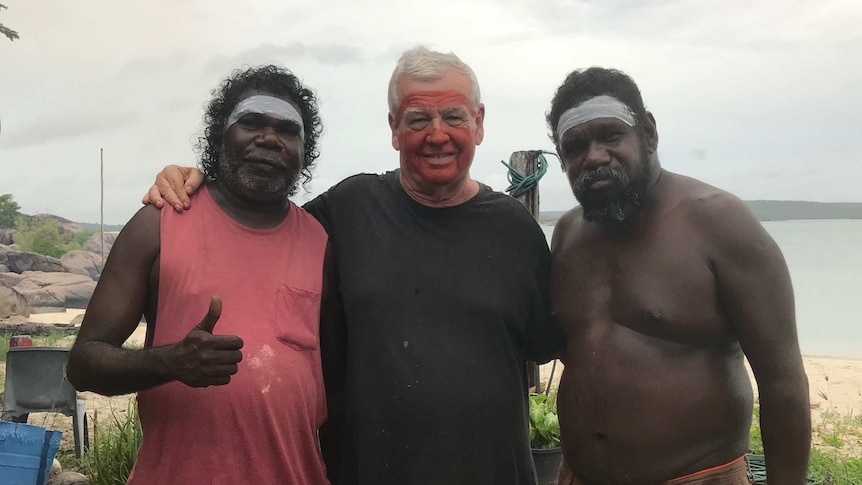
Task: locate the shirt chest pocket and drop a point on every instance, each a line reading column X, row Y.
column 297, row 318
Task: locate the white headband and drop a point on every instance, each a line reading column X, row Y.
column 594, row 108
column 271, row 106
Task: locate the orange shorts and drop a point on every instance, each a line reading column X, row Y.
column 734, row 473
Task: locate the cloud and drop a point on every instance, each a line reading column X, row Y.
column 286, row 54
column 70, row 126
column 768, row 25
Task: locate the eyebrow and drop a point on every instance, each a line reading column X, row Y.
column 427, row 110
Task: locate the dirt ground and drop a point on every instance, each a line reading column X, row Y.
column 96, row 405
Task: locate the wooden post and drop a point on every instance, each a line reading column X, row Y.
column 527, row 163
column 102, row 203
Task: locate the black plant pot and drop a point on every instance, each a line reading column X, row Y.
column 547, row 465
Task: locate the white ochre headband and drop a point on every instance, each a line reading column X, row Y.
column 594, row 108
column 271, row 106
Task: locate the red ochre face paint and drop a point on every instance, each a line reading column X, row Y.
column 437, row 135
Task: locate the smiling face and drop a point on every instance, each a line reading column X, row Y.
column 436, row 129
column 262, row 155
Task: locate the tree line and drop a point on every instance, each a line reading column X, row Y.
column 39, row 235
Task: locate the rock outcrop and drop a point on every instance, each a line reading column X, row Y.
column 12, row 302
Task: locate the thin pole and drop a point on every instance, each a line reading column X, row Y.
column 102, row 202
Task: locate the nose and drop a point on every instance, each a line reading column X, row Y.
column 596, row 156
column 438, row 135
column 267, row 137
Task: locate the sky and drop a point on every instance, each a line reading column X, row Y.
column 762, row 99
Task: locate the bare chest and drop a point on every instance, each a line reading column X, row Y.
column 660, row 285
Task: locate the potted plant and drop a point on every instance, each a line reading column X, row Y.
column 545, row 436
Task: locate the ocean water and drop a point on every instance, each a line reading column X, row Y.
column 825, row 262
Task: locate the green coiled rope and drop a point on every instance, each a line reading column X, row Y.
column 520, row 184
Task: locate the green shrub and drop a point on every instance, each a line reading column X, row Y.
column 45, row 237
column 9, row 211
column 115, row 447
column 837, row 460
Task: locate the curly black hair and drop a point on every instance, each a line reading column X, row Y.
column 583, row 84
column 271, row 79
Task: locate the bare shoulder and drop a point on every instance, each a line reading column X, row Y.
column 722, row 219
column 142, row 230
column 567, row 226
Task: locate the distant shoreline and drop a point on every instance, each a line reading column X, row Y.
column 776, row 210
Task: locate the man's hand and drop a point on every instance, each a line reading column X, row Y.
column 174, row 184
column 202, row 359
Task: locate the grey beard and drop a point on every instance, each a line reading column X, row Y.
column 254, row 189
column 611, row 211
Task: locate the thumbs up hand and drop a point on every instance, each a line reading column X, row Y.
column 203, row 359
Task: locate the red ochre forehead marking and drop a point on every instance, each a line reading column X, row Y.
column 434, row 99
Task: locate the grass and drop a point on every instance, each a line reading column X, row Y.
column 115, row 447
column 4, row 347
column 53, row 339
column 116, row 437
column 836, row 454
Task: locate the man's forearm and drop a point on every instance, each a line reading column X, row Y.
column 785, row 423
column 105, row 369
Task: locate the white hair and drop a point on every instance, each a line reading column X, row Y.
column 423, row 64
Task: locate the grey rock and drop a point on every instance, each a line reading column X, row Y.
column 44, row 299
column 41, row 279
column 78, row 296
column 69, row 478
column 20, row 262
column 6, row 236
column 11, row 279
column 56, row 469
column 82, row 263
column 94, row 244
column 12, row 302
column 56, row 290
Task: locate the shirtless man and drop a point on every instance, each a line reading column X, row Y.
column 663, row 285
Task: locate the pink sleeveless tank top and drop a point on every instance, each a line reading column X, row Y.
column 262, row 427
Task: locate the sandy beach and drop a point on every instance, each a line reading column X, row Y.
column 835, row 385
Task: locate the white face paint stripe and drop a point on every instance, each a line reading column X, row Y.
column 594, row 108
column 271, row 106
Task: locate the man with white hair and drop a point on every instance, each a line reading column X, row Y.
column 441, row 298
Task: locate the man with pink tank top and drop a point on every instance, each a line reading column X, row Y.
column 233, row 393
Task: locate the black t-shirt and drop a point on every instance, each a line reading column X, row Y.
column 442, row 308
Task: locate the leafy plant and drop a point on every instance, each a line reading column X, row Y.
column 9, row 33
column 46, row 236
column 755, row 438
column 9, row 211
column 115, row 447
column 544, row 423
column 835, row 455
